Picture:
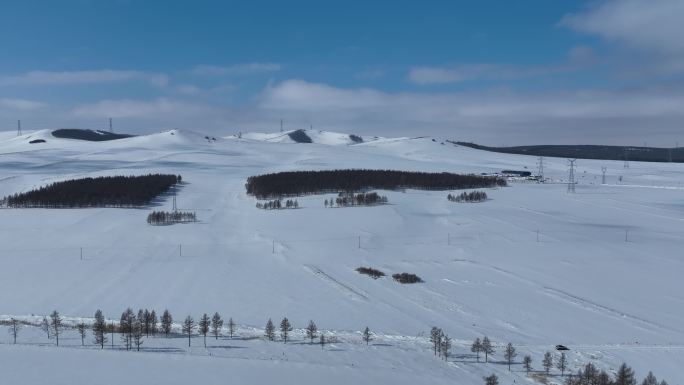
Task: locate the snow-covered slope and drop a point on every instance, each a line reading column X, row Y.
column 316, row 136
column 598, row 270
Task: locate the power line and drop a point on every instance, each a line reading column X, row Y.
column 571, row 175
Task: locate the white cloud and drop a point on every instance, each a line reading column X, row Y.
column 238, row 69
column 652, row 29
column 20, row 104
column 52, row 78
column 161, row 109
column 507, row 117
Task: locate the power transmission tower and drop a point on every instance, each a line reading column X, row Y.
column 603, row 171
column 571, row 175
column 110, row 125
column 540, row 165
column 18, row 127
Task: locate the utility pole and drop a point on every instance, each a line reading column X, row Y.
column 571, row 175
column 18, row 127
column 540, row 164
column 359, row 241
column 281, row 125
column 175, row 208
column 626, row 165
column 603, row 171
column 110, row 125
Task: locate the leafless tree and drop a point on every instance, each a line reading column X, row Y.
column 188, row 327
column 216, row 324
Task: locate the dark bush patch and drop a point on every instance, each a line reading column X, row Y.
column 107, row 191
column 300, row 136
column 406, row 278
column 34, row 141
column 292, row 183
column 355, row 138
column 167, row 218
column 374, row 273
column 89, row 135
column 473, row 196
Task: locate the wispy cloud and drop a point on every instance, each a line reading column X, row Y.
column 427, row 75
column 53, row 78
column 237, row 69
column 20, row 104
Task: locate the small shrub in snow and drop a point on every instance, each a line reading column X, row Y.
column 406, row 278
column 373, row 273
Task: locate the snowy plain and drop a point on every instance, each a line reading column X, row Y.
column 598, row 270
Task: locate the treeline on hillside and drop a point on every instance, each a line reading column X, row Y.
column 293, row 183
column 105, row 191
column 89, row 135
column 635, row 153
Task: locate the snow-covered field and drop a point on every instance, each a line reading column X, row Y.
column 598, row 271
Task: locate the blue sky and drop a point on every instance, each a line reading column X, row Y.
column 532, row 71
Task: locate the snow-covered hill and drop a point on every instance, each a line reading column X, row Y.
column 598, row 270
column 316, row 136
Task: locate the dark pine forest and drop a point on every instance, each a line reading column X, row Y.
column 293, row 183
column 107, row 191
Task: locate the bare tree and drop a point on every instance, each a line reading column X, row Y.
column 527, row 363
column 126, row 327
column 476, row 348
column 562, row 363
column 188, row 327
column 204, row 326
column 311, row 331
column 510, row 354
column 112, row 329
column 56, row 324
column 270, row 330
column 153, row 322
column 137, row 335
column 285, row 329
column 15, row 326
column 435, row 334
column 547, row 363
column 625, row 376
column 487, row 348
column 45, row 326
column 216, row 325
column 82, row 328
column 445, row 346
column 99, row 329
column 231, row 327
column 166, row 322
column 367, row 335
